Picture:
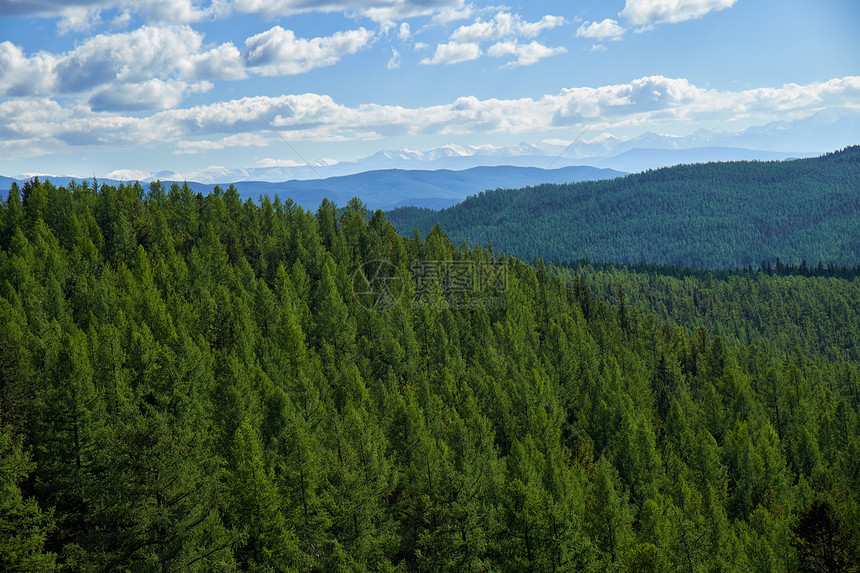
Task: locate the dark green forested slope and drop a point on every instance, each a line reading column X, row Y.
column 190, row 383
column 820, row 315
column 714, row 215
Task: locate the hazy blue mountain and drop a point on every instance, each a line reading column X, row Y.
column 391, row 188
column 5, row 183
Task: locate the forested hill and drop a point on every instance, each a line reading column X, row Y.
column 815, row 313
column 713, row 215
column 193, row 383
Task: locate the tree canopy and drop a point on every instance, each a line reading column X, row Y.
column 194, row 383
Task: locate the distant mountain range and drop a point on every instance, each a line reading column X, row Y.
column 384, row 181
column 824, row 131
column 390, row 188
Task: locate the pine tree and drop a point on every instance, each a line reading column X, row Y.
column 24, row 527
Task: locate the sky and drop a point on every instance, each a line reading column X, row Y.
column 134, row 87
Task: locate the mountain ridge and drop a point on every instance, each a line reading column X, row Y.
column 391, row 188
column 711, row 215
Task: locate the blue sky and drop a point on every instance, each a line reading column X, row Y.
column 98, row 87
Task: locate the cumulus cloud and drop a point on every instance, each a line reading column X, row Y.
column 645, row 12
column 454, row 53
column 607, row 29
column 146, row 53
column 237, row 140
column 223, row 62
column 21, row 75
column 505, row 29
column 503, row 25
column 647, row 102
column 526, row 54
column 152, row 94
column 152, row 67
column 280, row 52
column 143, row 61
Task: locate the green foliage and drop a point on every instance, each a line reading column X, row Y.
column 190, row 383
column 714, row 215
column 23, row 525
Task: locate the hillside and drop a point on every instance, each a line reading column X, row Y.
column 194, row 383
column 818, row 314
column 714, row 215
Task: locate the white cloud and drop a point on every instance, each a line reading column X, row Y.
column 22, row 76
column 169, row 11
column 149, row 54
column 143, row 54
column 238, row 140
column 404, row 32
column 649, row 102
column 598, row 48
column 454, row 53
column 398, row 10
column 394, row 62
column 221, row 62
column 152, row 94
column 122, row 19
column 526, row 54
column 78, row 15
column 644, row 12
column 148, row 68
column 269, row 162
column 452, row 14
column 279, row 52
column 607, row 29
column 505, row 29
column 533, row 29
column 504, row 25
column 77, row 19
column 81, row 14
column 382, row 11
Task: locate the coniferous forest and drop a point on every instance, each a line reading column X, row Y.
column 712, row 216
column 194, row 383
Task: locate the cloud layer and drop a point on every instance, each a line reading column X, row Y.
column 80, row 14
column 646, row 102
